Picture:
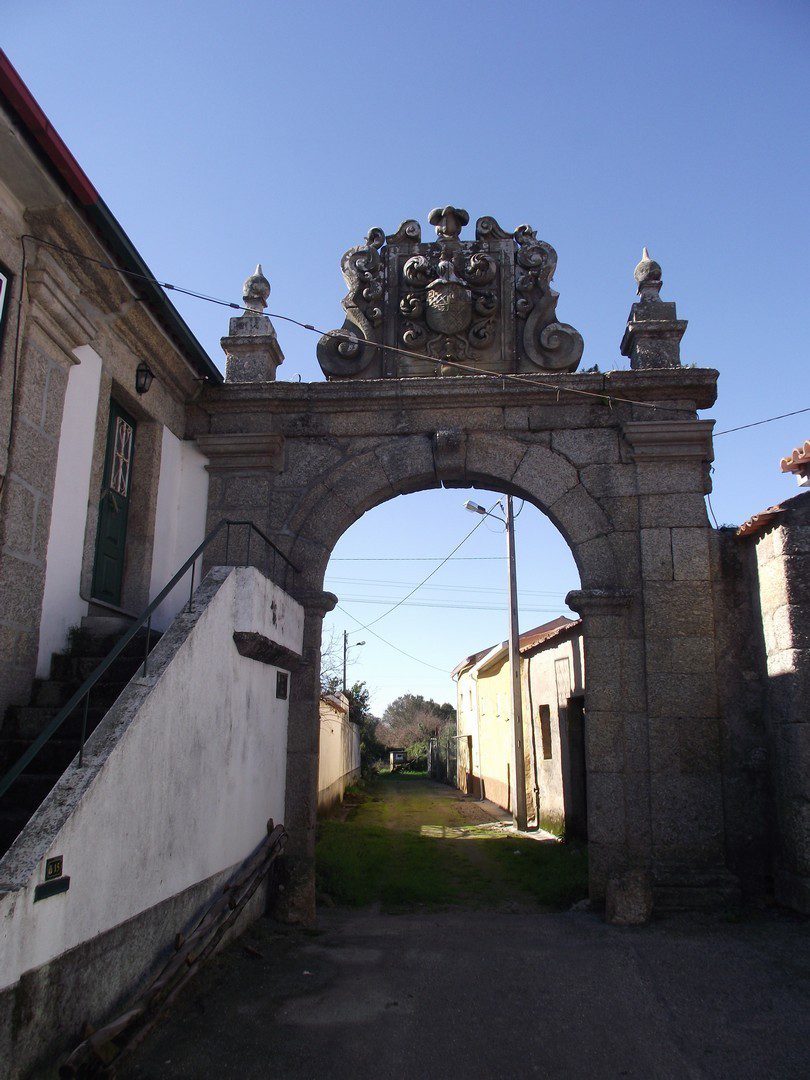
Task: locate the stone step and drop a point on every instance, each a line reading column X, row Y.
column 27, row 721
column 53, row 692
column 55, row 755
column 94, row 645
column 76, row 669
column 106, row 626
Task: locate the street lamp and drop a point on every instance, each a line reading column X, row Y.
column 346, row 647
column 514, row 657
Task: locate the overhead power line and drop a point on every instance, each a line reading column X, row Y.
column 435, row 570
column 449, row 605
column 463, row 588
column 758, row 423
column 503, row 376
column 415, row 558
column 391, row 645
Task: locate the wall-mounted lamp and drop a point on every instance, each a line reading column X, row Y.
column 143, row 377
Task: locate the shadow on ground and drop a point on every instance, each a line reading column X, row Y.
column 451, row 987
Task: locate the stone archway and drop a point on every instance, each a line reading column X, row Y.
column 628, row 496
column 453, row 369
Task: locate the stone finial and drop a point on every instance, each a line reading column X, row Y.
column 653, row 335
column 648, row 277
column 449, row 221
column 256, row 290
column 251, row 347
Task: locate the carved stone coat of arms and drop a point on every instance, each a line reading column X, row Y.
column 449, row 306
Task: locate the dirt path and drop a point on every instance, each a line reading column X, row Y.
column 410, row 842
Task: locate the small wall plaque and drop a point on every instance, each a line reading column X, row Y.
column 53, row 868
column 282, row 684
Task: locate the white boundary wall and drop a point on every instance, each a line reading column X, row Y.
column 182, row 504
column 179, row 780
column 339, row 750
column 62, row 605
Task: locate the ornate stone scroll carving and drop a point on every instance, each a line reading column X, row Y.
column 545, row 342
column 450, row 306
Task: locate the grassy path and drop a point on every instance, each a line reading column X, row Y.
column 407, row 842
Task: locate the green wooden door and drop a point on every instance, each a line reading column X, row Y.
column 108, row 570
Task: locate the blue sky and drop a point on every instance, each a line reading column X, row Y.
column 223, row 135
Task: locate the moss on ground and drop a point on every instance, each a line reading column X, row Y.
column 408, row 842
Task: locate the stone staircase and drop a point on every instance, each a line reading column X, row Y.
column 23, row 723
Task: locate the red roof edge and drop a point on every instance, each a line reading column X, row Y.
column 40, row 127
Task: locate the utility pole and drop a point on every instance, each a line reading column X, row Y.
column 514, row 667
column 346, row 647
column 519, row 766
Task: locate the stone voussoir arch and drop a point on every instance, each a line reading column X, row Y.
column 402, row 465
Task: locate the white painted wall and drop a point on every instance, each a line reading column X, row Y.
column 62, row 606
column 179, row 780
column 339, row 750
column 180, row 513
column 549, row 677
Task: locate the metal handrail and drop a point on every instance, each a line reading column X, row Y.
column 83, row 693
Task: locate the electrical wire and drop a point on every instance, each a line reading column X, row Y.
column 415, row 558
column 757, row 423
column 390, row 644
column 503, row 376
column 388, row 582
column 449, row 606
column 522, row 380
column 435, row 570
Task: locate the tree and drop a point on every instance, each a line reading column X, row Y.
column 412, row 720
column 331, row 665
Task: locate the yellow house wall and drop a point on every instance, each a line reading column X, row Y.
column 485, row 717
column 485, row 747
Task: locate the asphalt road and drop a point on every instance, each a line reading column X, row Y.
column 464, row 994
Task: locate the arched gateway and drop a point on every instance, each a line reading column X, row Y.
column 618, row 461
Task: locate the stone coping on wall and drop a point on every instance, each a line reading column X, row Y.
column 695, row 387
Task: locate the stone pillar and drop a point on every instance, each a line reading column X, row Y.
column 54, row 325
column 251, row 347
column 686, row 797
column 303, row 733
column 653, row 335
column 241, row 466
column 783, row 578
column 619, row 838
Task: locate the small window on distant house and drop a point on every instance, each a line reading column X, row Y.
column 282, row 685
column 544, row 715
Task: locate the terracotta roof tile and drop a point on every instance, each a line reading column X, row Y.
column 529, row 639
column 533, row 639
column 798, row 460
column 759, row 521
